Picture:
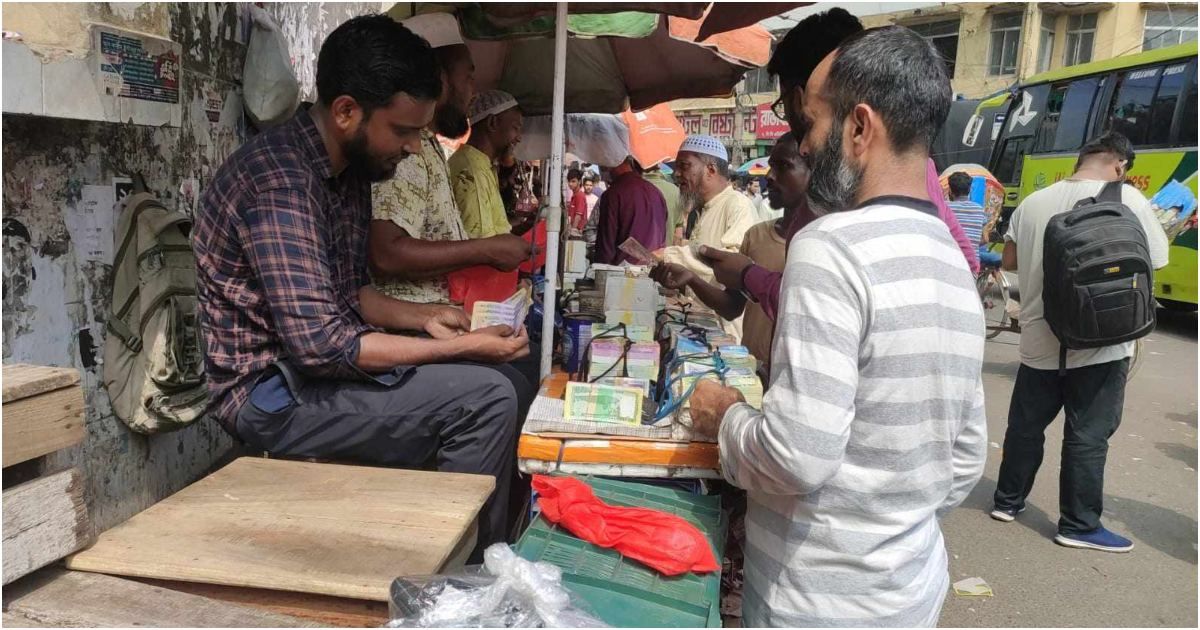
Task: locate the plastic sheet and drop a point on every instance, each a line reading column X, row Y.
column 506, row 592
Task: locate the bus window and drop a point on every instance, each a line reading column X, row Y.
column 1067, row 113
column 1187, row 126
column 1162, row 110
column 1011, row 160
column 1130, row 110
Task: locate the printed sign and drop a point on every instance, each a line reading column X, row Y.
column 145, row 69
column 720, row 125
column 691, row 124
column 768, row 126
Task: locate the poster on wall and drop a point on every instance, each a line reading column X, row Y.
column 140, row 67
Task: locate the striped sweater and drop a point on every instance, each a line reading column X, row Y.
column 872, row 428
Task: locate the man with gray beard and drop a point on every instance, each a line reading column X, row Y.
column 873, row 425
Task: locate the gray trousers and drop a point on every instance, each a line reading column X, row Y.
column 462, row 417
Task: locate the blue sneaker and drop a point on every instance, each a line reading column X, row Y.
column 1101, row 539
column 1006, row 515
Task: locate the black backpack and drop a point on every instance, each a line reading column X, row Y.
column 1098, row 282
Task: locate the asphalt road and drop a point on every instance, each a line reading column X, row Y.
column 1150, row 497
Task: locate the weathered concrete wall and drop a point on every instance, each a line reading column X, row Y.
column 55, row 289
column 305, row 25
column 55, row 286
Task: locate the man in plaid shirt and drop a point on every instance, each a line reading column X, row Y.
column 299, row 351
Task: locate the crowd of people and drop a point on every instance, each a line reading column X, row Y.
column 325, row 248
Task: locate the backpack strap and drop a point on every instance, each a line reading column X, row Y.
column 1062, row 359
column 1111, row 192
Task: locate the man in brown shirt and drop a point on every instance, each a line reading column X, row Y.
column 765, row 243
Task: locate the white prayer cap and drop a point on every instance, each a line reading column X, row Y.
column 439, row 29
column 705, row 145
column 490, row 103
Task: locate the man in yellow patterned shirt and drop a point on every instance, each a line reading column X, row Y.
column 495, row 128
column 417, row 236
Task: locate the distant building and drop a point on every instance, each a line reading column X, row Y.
column 987, row 47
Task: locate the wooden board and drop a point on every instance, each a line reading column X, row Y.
column 322, row 610
column 329, row 529
column 90, row 600
column 44, row 520
column 43, row 411
column 22, row 380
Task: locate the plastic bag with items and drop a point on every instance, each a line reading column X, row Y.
column 506, row 592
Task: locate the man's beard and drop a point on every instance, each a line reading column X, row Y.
column 834, row 182
column 690, row 199
column 359, row 158
column 450, row 121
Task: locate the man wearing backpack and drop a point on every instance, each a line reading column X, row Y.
column 1085, row 277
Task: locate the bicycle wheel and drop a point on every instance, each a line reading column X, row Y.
column 993, row 296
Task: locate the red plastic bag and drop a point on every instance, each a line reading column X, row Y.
column 480, row 283
column 661, row 541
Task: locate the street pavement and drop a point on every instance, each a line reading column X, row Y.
column 1150, row 497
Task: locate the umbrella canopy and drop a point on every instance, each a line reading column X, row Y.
column 615, row 61
column 756, row 167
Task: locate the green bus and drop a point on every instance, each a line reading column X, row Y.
column 1040, row 125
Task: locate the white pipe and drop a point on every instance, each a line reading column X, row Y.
column 553, row 175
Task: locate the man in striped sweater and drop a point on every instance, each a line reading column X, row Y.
column 873, row 425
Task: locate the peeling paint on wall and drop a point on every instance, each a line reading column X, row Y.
column 305, row 25
column 56, row 291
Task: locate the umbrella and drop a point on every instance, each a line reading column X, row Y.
column 756, row 167
column 617, row 61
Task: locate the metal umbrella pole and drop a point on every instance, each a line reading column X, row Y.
column 554, row 177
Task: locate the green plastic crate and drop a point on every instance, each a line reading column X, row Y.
column 623, row 592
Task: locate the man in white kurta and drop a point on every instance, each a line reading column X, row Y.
column 701, row 171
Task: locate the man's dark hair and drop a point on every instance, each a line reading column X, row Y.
column 960, row 184
column 575, row 174
column 1111, row 143
column 900, row 75
column 799, row 52
column 371, row 58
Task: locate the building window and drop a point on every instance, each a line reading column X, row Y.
column 1006, row 41
column 944, row 37
column 1081, row 36
column 1167, row 27
column 1046, row 42
column 758, row 81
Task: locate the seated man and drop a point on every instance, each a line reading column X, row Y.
column 297, row 356
column 765, row 243
column 496, row 122
column 417, row 236
column 631, row 208
column 971, row 216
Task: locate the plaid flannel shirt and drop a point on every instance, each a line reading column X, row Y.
column 281, row 252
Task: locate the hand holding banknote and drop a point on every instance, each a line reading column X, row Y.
column 496, row 344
